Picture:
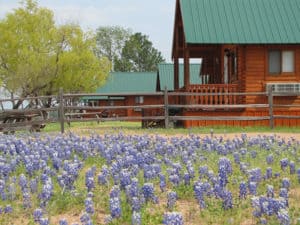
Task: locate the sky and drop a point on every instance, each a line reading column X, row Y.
column 154, row 18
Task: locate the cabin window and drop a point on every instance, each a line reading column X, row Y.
column 139, row 99
column 281, row 62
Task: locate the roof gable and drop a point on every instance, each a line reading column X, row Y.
column 241, row 21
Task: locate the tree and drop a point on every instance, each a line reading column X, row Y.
column 37, row 57
column 110, row 42
column 138, row 55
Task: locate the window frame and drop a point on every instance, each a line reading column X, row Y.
column 281, row 50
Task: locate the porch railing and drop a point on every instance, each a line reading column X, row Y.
column 212, row 94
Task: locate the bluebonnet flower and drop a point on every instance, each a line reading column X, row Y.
column 33, row 185
column 8, row 209
column 263, row 221
column 283, row 217
column 236, row 157
column 172, row 218
column 252, row 188
column 44, row 221
column 26, row 199
column 284, row 163
column 162, row 182
column 115, row 207
column 186, row 178
column 37, row 214
column 115, row 192
column 47, row 191
column 253, row 154
column 63, row 222
column 292, row 167
column 148, row 191
column 269, row 173
column 227, row 200
column 255, row 175
column 102, row 179
column 172, row 197
column 89, row 206
column 243, row 190
column 285, row 183
column 136, row 204
column 23, row 182
column 270, row 159
column 270, row 191
column 89, row 183
column 85, row 218
column 174, row 179
column 225, row 164
column 203, row 171
column 285, row 195
column 136, row 218
column 2, row 189
column 199, row 194
column 125, row 178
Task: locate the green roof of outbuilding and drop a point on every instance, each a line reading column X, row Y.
column 127, row 82
column 241, row 21
column 124, row 82
column 166, row 75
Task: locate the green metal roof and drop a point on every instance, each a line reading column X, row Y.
column 127, row 82
column 141, row 82
column 241, row 21
column 166, row 75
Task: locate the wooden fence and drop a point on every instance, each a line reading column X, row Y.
column 67, row 108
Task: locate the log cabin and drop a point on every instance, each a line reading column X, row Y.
column 244, row 46
column 133, row 85
column 126, row 82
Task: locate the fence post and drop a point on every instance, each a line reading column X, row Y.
column 270, row 102
column 61, row 114
column 166, row 103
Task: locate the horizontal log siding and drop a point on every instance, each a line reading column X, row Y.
column 253, row 113
column 256, row 73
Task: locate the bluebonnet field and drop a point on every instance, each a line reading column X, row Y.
column 144, row 179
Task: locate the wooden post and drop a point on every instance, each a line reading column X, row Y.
column 61, row 113
column 166, row 107
column 270, row 102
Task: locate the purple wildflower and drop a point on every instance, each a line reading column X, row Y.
column 44, row 221
column 243, row 190
column 115, row 207
column 63, row 222
column 269, row 173
column 270, row 191
column 136, row 218
column 284, row 163
column 227, row 200
column 172, row 218
column 283, row 217
column 292, row 167
column 89, row 206
column 37, row 214
column 172, row 197
column 286, row 183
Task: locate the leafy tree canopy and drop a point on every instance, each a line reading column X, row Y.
column 37, row 57
column 110, row 42
column 138, row 55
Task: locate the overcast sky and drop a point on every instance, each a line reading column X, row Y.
column 154, row 18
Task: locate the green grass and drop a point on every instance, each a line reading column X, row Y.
column 121, row 126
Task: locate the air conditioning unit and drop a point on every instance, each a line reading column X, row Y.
column 284, row 88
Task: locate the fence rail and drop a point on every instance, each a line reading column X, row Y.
column 67, row 108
